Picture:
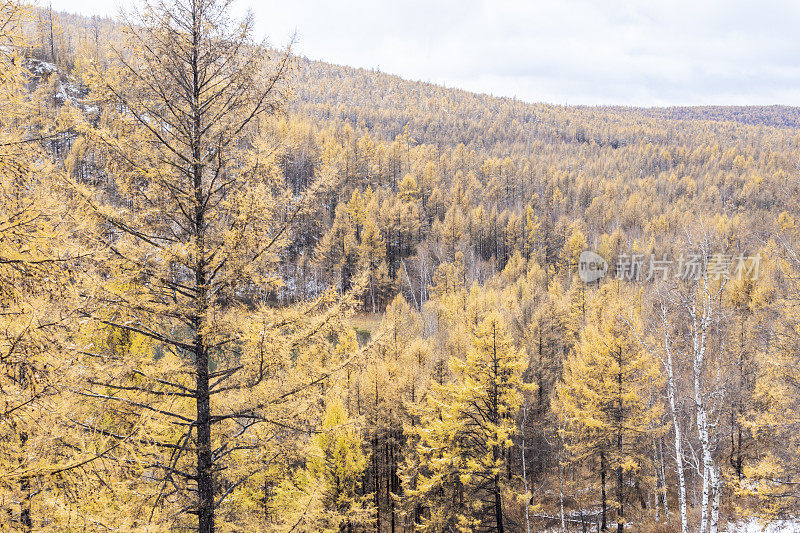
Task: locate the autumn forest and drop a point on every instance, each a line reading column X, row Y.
column 246, row 291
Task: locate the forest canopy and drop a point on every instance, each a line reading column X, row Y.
column 247, row 291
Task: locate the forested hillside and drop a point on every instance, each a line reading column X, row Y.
column 247, row 291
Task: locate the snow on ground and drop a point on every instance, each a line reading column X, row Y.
column 41, row 68
column 754, row 526
column 68, row 89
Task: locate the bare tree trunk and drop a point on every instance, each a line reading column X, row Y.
column 561, row 495
column 603, row 487
column 498, row 504
column 25, row 516
column 656, row 482
column 665, row 355
column 715, row 491
column 620, row 503
column 700, row 320
column 205, row 480
column 620, row 495
column 678, row 446
column 52, row 36
column 701, row 415
column 525, row 476
column 702, row 422
column 663, row 478
column 667, row 360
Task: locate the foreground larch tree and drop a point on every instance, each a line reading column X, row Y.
column 465, row 434
column 38, row 303
column 326, row 495
column 197, row 214
column 18, row 225
column 604, row 399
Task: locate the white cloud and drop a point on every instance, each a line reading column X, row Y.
column 562, row 51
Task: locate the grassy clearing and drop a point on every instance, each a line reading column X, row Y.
column 365, row 324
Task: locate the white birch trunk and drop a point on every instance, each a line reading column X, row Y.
column 656, row 481
column 561, row 496
column 665, row 356
column 671, row 394
column 678, row 452
column 709, row 520
column 714, row 480
column 702, row 424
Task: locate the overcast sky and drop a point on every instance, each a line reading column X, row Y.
column 657, row 52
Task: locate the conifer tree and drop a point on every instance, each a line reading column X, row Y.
column 40, row 272
column 465, row 433
column 391, row 384
column 773, row 415
column 487, row 200
column 326, row 495
column 196, row 212
column 603, row 398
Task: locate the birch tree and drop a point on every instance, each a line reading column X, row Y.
column 660, row 344
column 691, row 320
column 702, row 308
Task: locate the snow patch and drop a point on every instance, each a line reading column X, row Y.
column 41, row 68
column 752, row 525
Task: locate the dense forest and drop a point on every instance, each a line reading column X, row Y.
column 246, row 291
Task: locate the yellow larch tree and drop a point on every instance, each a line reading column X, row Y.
column 464, row 435
column 326, row 496
column 603, row 398
column 772, row 417
column 196, row 213
column 40, row 299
